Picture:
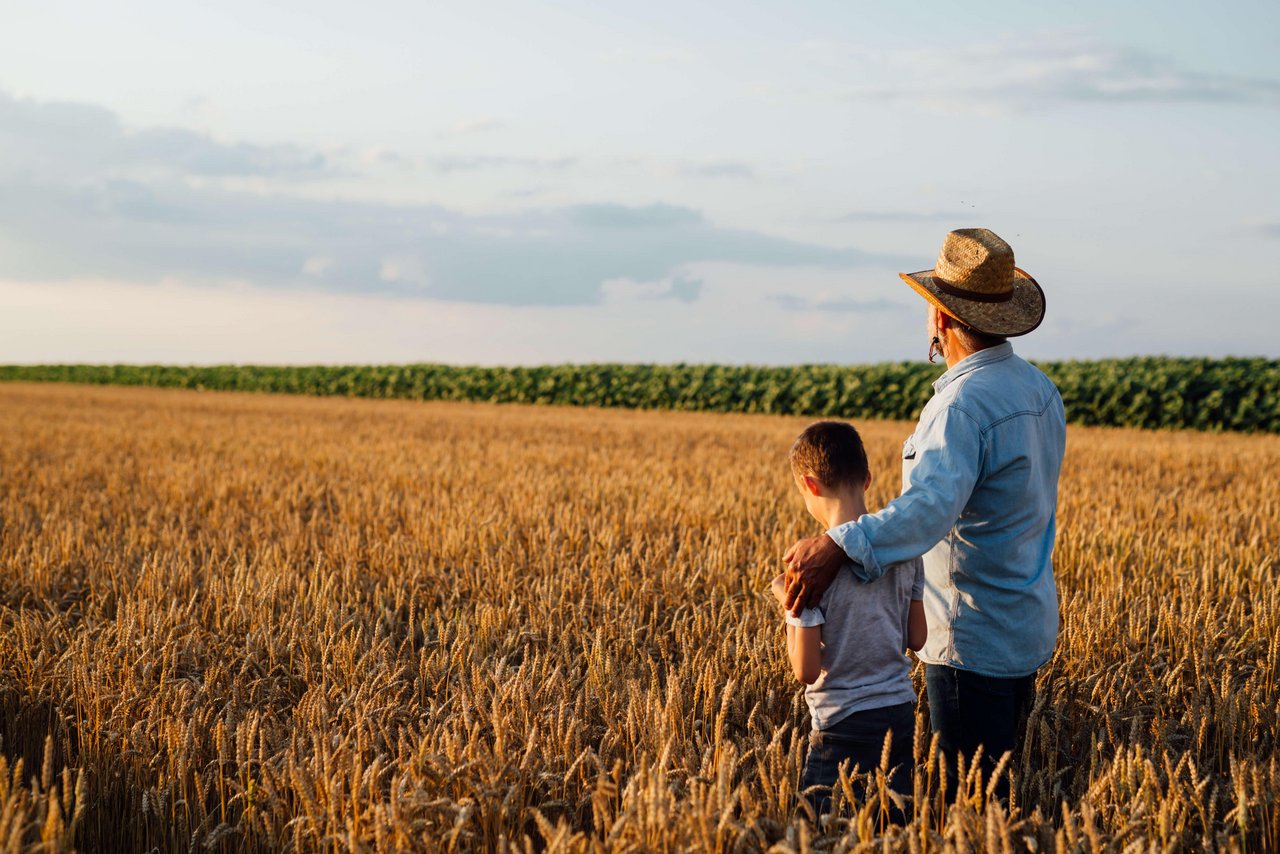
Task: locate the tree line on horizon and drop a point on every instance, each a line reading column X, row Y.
column 1155, row 392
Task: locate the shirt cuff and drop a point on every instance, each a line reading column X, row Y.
column 850, row 537
column 808, row 618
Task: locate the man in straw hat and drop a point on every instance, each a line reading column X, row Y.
column 979, row 495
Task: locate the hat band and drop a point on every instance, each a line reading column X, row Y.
column 976, row 296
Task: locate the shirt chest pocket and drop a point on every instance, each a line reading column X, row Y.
column 908, row 460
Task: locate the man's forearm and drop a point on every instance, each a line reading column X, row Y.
column 862, row 557
column 908, row 527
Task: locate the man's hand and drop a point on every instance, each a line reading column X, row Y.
column 812, row 565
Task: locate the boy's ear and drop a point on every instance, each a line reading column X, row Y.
column 867, row 484
column 811, row 484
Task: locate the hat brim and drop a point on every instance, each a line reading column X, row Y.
column 1017, row 316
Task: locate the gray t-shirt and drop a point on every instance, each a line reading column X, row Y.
column 864, row 642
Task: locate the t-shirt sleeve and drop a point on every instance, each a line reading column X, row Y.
column 917, row 586
column 808, row 618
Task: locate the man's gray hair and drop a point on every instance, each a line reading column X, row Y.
column 974, row 340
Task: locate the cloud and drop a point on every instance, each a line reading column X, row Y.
column 404, row 270
column 67, row 139
column 620, row 216
column 139, row 206
column 178, row 322
column 1271, row 229
column 1033, row 74
column 648, row 55
column 474, row 126
column 900, row 216
column 379, row 156
column 680, row 288
column 790, row 302
column 316, row 265
column 198, row 154
column 472, row 162
column 685, row 289
column 720, row 169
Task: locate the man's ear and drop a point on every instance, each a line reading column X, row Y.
column 867, row 484
column 941, row 321
column 811, row 485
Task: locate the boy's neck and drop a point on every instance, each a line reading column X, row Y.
column 842, row 506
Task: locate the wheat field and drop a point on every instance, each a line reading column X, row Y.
column 252, row 622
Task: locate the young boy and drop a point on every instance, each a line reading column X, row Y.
column 849, row 651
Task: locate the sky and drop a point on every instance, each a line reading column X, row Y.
column 550, row 182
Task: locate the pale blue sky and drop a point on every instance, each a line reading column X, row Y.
column 551, row 182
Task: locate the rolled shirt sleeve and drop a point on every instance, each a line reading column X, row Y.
column 948, row 448
column 808, row 618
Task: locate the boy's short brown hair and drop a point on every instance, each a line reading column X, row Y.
column 832, row 452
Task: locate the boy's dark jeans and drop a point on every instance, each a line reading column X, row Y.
column 968, row 709
column 859, row 740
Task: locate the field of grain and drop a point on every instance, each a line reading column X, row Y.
column 246, row 621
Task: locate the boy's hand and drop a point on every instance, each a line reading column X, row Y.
column 779, row 589
column 812, row 565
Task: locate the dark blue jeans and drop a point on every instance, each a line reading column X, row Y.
column 859, row 740
column 968, row 709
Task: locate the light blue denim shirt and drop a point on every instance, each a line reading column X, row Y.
column 979, row 501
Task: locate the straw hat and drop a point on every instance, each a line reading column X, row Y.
column 976, row 282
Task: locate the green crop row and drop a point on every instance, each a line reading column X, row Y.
column 1156, row 392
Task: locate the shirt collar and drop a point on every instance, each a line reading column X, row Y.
column 972, row 362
